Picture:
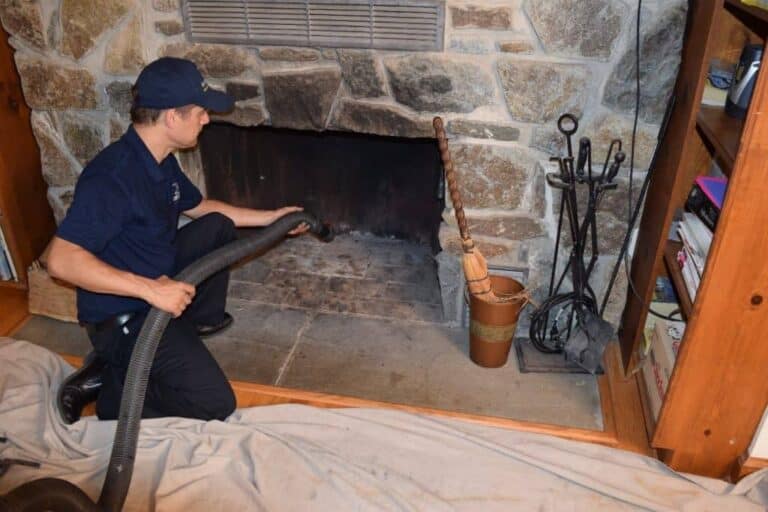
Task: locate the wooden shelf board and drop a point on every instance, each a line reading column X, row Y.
column 676, row 275
column 650, row 420
column 760, row 14
column 722, row 132
column 15, row 285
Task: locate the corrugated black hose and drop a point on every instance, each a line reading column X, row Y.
column 120, row 468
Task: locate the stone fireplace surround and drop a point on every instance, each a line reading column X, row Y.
column 508, row 69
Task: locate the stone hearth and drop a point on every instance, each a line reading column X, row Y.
column 355, row 274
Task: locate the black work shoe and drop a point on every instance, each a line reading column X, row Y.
column 80, row 388
column 209, row 330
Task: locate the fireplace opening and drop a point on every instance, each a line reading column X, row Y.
column 386, row 186
column 383, row 195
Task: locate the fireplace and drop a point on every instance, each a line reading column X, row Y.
column 382, row 195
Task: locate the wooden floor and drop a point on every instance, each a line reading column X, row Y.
column 13, row 309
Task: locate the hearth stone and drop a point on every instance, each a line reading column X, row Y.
column 355, row 274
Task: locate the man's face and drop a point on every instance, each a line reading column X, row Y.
column 187, row 124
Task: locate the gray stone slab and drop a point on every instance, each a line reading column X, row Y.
column 355, row 287
column 55, row 335
column 254, row 271
column 361, row 333
column 255, row 292
column 351, row 372
column 271, row 325
column 297, row 280
column 429, row 366
column 423, row 275
column 338, row 266
column 411, row 311
column 302, row 298
column 247, row 360
column 407, row 293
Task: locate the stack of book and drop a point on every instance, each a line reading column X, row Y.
column 696, row 238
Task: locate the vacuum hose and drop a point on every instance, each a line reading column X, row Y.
column 66, row 497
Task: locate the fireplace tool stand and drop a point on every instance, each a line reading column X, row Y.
column 569, row 322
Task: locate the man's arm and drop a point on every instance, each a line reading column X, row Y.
column 244, row 217
column 70, row 262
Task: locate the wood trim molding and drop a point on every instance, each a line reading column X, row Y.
column 747, row 465
column 620, row 399
column 621, row 431
column 250, row 395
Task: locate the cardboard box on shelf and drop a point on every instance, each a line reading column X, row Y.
column 665, row 342
column 662, row 341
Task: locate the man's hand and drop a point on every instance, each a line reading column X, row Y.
column 246, row 217
column 171, row 296
column 285, row 210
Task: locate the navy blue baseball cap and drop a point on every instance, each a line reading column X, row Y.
column 170, row 82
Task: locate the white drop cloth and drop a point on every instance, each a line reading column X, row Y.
column 299, row 458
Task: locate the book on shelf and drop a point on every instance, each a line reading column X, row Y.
column 701, row 234
column 713, row 96
column 691, row 277
column 7, row 268
column 664, row 291
column 665, row 340
column 760, row 4
column 690, row 255
column 696, row 238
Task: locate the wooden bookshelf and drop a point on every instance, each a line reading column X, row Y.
column 676, row 276
column 722, row 132
column 716, row 395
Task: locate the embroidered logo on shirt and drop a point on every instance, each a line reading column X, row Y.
column 175, row 192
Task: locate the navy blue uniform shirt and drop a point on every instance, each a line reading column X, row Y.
column 126, row 212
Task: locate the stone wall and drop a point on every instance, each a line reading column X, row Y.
column 509, row 69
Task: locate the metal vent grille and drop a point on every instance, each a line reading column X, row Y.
column 383, row 24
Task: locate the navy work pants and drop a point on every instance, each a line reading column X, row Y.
column 185, row 379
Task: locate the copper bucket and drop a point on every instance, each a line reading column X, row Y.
column 492, row 325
